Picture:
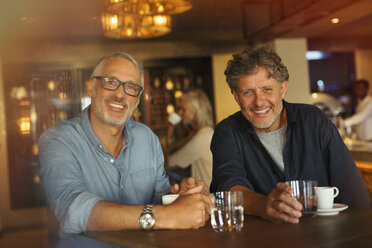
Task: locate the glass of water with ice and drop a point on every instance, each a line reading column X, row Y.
column 227, row 213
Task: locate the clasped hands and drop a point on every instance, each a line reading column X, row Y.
column 192, row 208
column 190, row 185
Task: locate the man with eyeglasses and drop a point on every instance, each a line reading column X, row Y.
column 104, row 171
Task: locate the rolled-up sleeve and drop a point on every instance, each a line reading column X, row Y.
column 64, row 185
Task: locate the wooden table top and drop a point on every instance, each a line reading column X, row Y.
column 350, row 228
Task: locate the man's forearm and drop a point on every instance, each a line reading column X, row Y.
column 277, row 206
column 188, row 211
column 254, row 203
column 110, row 216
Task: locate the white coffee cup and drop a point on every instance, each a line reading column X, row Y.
column 326, row 196
column 168, row 199
column 174, row 118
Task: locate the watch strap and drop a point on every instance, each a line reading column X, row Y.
column 147, row 220
column 147, row 209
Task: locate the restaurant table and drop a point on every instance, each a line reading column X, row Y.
column 350, row 228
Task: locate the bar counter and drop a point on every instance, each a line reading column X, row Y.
column 360, row 150
column 350, row 228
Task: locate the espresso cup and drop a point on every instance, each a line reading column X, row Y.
column 326, row 196
column 304, row 193
column 174, row 118
column 168, row 199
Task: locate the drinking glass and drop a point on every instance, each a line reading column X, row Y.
column 227, row 213
column 304, row 192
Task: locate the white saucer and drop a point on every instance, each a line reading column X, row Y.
column 337, row 207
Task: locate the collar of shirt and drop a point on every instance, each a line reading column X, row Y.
column 85, row 123
column 291, row 117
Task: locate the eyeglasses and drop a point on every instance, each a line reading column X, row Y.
column 111, row 83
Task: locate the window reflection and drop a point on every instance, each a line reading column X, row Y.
column 37, row 97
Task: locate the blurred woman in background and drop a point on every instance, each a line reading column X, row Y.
column 196, row 112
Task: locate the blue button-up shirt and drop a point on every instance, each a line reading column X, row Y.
column 77, row 172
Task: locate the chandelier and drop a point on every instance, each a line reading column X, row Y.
column 140, row 19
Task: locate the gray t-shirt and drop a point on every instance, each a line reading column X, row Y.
column 274, row 143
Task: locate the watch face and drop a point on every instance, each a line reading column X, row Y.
column 147, row 221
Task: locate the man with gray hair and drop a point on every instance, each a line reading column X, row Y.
column 103, row 171
column 270, row 141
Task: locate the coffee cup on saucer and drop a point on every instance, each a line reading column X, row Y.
column 326, row 196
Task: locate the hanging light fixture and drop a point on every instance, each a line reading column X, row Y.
column 136, row 19
column 133, row 26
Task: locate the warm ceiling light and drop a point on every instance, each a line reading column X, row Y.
column 335, row 20
column 134, row 26
column 114, row 21
column 161, row 9
column 133, row 19
column 144, row 7
column 160, row 19
column 172, row 7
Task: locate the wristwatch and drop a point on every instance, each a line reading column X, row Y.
column 147, row 220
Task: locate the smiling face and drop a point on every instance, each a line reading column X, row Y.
column 260, row 99
column 113, row 107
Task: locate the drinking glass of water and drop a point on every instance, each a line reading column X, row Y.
column 304, row 193
column 227, row 213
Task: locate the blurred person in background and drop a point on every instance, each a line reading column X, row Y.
column 196, row 112
column 362, row 119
